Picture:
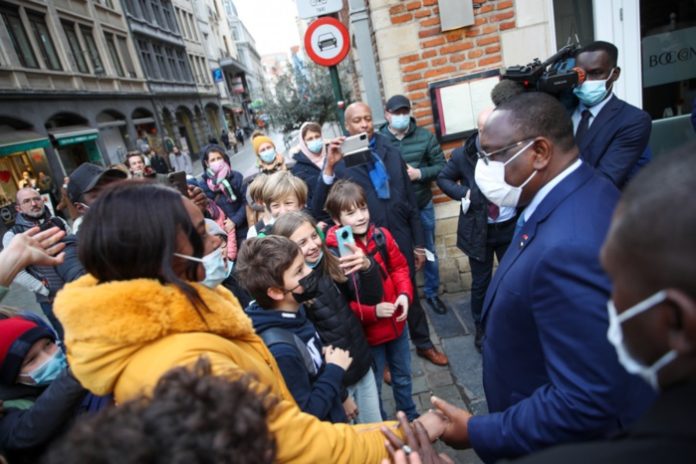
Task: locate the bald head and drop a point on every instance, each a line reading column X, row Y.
column 483, row 116
column 359, row 119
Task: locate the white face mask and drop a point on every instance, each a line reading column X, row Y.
column 615, row 337
column 490, row 179
column 217, row 269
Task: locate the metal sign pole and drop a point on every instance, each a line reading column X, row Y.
column 338, row 96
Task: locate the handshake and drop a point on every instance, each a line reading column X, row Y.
column 446, row 422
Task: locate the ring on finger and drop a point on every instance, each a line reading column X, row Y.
column 407, row 450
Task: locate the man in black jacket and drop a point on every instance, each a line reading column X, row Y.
column 392, row 204
column 484, row 230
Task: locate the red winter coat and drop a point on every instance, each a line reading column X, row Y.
column 395, row 280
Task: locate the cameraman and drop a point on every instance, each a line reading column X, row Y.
column 611, row 134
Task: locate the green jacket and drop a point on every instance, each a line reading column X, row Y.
column 420, row 149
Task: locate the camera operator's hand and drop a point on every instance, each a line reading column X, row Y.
column 333, row 155
column 198, row 198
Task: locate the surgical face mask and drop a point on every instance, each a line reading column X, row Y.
column 217, row 269
column 592, row 92
column 315, row 263
column 267, row 156
column 310, row 284
column 400, row 122
column 315, row 146
column 217, row 166
column 490, row 179
column 615, row 337
column 47, row 372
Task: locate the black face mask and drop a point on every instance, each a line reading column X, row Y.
column 310, row 283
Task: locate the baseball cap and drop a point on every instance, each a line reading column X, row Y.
column 85, row 177
column 397, row 102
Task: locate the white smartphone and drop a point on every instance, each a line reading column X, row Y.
column 356, row 149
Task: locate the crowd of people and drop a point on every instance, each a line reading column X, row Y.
column 257, row 318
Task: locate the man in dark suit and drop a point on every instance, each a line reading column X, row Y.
column 392, row 204
column 611, row 134
column 549, row 373
column 649, row 256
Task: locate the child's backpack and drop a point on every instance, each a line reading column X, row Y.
column 277, row 335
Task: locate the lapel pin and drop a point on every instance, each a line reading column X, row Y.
column 525, row 237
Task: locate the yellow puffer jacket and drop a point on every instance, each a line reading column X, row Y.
column 123, row 336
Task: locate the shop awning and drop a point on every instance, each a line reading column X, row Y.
column 70, row 135
column 21, row 140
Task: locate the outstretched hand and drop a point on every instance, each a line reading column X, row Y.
column 456, row 433
column 417, row 449
column 32, row 247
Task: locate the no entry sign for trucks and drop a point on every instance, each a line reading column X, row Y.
column 326, row 41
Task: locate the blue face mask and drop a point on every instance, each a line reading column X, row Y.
column 592, row 92
column 217, row 269
column 400, row 122
column 267, row 156
column 315, row 146
column 47, row 372
column 315, row 263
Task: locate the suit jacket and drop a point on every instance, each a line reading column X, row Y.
column 666, row 434
column 549, row 373
column 616, row 140
column 399, row 214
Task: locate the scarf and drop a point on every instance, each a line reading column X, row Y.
column 379, row 175
column 217, row 182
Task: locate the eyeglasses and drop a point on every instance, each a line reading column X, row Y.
column 485, row 156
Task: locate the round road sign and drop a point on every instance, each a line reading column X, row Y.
column 326, row 41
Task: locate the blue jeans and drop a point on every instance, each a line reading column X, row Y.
column 431, row 272
column 366, row 397
column 396, row 353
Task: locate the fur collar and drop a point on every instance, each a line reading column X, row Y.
column 142, row 310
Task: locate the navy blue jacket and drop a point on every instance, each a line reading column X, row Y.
column 399, row 214
column 234, row 210
column 549, row 372
column 616, row 140
column 320, row 396
column 306, row 170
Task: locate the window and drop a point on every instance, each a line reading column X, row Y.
column 106, row 3
column 168, row 16
column 19, row 37
column 125, row 54
column 171, row 59
column 573, row 17
column 115, row 60
column 162, row 65
column 130, row 7
column 43, row 38
column 192, row 63
column 157, row 13
column 92, row 51
column 186, row 29
column 185, row 71
column 75, row 48
column 147, row 59
column 194, row 36
column 145, row 10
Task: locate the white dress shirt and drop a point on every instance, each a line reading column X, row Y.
column 546, row 189
column 594, row 111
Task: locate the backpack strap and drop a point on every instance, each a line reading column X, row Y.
column 381, row 244
column 277, row 335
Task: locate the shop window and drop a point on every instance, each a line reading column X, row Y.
column 20, row 40
column 113, row 52
column 571, row 18
column 125, row 54
column 75, row 47
column 92, row 51
column 44, row 40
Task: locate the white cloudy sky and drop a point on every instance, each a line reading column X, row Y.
column 271, row 22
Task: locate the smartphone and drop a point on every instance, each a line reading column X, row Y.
column 178, row 181
column 345, row 235
column 356, row 150
column 52, row 222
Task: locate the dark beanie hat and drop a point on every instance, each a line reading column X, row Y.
column 17, row 335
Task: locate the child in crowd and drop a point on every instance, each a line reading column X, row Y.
column 222, row 274
column 383, row 322
column 225, row 187
column 282, row 193
column 268, row 160
column 331, row 313
column 274, row 272
column 39, row 397
column 254, row 209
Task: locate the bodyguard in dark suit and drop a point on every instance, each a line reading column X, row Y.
column 649, row 256
column 549, row 372
column 392, row 204
column 611, row 134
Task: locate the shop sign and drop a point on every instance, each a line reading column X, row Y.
column 669, row 57
column 76, row 139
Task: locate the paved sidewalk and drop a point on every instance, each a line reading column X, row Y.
column 460, row 382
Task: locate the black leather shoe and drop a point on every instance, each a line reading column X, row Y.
column 437, row 305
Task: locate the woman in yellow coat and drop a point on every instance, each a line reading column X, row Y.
column 140, row 312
